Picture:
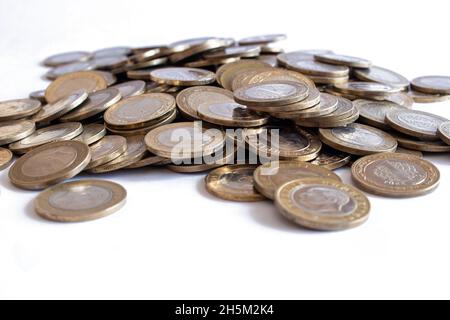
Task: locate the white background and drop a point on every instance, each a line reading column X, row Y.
column 173, row 240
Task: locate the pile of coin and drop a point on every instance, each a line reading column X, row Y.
column 295, row 117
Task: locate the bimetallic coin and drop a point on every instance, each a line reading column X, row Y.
column 18, row 109
column 53, row 111
column 183, row 45
column 272, row 175
column 314, row 68
column 130, row 88
column 420, row 97
column 395, row 175
column 142, row 65
column 415, row 153
column 180, row 76
column 50, row 164
column 364, row 89
column 225, row 74
column 274, row 93
column 205, row 46
column 329, row 80
column 358, row 139
column 210, row 62
column 349, row 61
column 69, row 68
column 263, row 39
column 109, row 63
column 184, row 140
column 108, row 76
column 374, row 113
column 322, row 204
column 112, row 52
column 150, row 160
column 150, row 53
column 38, row 95
column 106, row 150
column 332, row 120
column 67, row 57
column 382, row 75
column 432, row 84
column 420, row 145
column 231, row 114
column 6, row 157
column 82, row 200
column 292, row 57
column 139, row 111
column 328, row 103
column 96, row 103
column 415, row 123
column 331, row 159
column 269, row 59
column 65, row 85
column 271, row 74
column 91, row 133
column 58, row 132
column 234, row 183
column 11, row 131
column 241, row 51
column 443, row 132
column 291, row 111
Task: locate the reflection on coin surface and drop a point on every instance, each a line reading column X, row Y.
column 112, row 52
column 272, row 175
column 179, row 76
column 82, row 200
column 130, row 88
column 443, row 132
column 395, row 175
column 382, row 75
column 415, row 123
column 322, row 204
column 50, row 164
column 66, row 57
column 231, row 114
column 432, row 84
column 106, row 150
column 11, row 131
column 5, row 158
column 315, row 68
column 69, row 68
column 275, row 74
column 358, row 139
column 366, row 88
column 91, row 133
column 17, row 109
column 233, row 183
column 331, row 159
column 292, row 57
column 338, row 59
column 328, row 104
column 374, row 112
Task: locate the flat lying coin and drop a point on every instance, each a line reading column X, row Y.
column 272, row 175
column 108, row 76
column 395, row 175
column 11, row 131
column 106, row 150
column 96, row 103
column 292, row 57
column 374, row 113
column 138, row 111
column 358, row 139
column 364, row 89
column 241, row 51
column 314, row 68
column 58, row 132
column 415, row 153
column 179, row 76
column 432, row 84
column 226, row 74
column 112, row 52
column 322, row 204
column 205, row 46
column 82, row 200
column 91, row 133
column 348, row 61
column 130, row 88
column 415, row 123
column 420, row 145
column 271, row 93
column 382, row 75
column 273, row 74
column 108, row 63
column 65, row 85
column 421, row 97
column 5, row 158
column 328, row 104
column 69, row 68
column 331, row 159
column 150, row 160
column 38, row 95
column 53, row 111
column 66, row 57
column 264, row 39
column 233, row 183
column 443, row 132
column 18, row 109
column 50, row 164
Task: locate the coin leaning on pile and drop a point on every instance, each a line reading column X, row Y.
column 264, row 124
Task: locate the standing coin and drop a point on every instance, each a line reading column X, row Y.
column 395, row 175
column 180, row 76
column 382, row 75
column 358, row 139
column 432, row 84
column 272, row 175
column 231, row 114
column 11, row 131
column 444, row 132
column 130, row 88
column 322, row 204
column 415, row 123
column 18, row 109
column 5, row 158
column 106, row 150
column 91, row 133
column 50, row 164
column 82, row 200
column 374, row 112
column 66, row 57
column 348, row 61
column 234, row 182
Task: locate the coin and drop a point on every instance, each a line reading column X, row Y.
column 138, row 111
column 50, row 164
column 58, row 132
column 272, row 175
column 5, row 158
column 65, row 58
column 150, row 160
column 421, row 97
column 363, row 89
column 219, row 159
column 181, row 76
column 113, row 52
column 314, row 68
column 142, row 65
column 432, row 84
column 226, row 73
column 415, row 123
column 190, row 99
column 150, row 53
column 270, row 49
column 329, row 80
column 322, row 204
column 38, row 95
column 274, row 93
column 420, row 145
column 358, row 139
column 106, row 150
column 96, row 103
column 65, row 85
column 312, row 100
column 78, row 201
column 400, row 98
column 415, row 153
column 292, row 57
column 443, row 132
column 130, row 88
column 263, row 39
column 343, row 60
column 184, row 140
column 331, row 159
column 184, row 45
column 18, row 109
column 205, row 46
column 234, row 183
column 374, row 113
column 69, row 68
column 108, row 76
column 91, row 133
column 271, row 74
column 109, row 63
column 241, row 51
column 382, row 75
column 328, row 104
column 332, row 120
column 210, row 62
column 53, row 111
column 269, row 59
column 395, row 175
column 283, row 142
column 11, row 131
